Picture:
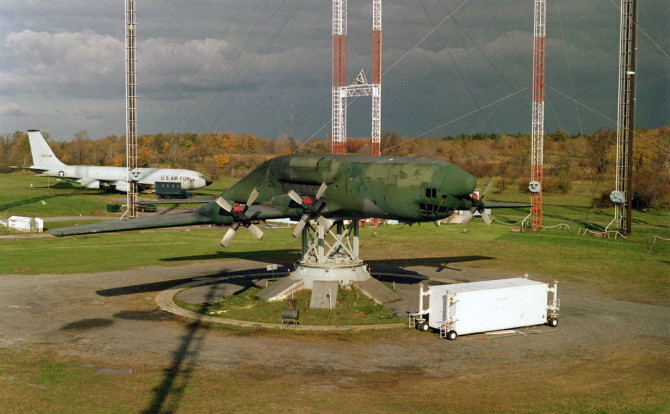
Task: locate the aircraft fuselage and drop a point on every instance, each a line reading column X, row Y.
column 400, row 188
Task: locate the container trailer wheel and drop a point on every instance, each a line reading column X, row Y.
column 451, row 335
column 423, row 326
column 552, row 321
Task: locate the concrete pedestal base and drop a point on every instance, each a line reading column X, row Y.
column 345, row 273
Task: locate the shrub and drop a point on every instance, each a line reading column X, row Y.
column 560, row 185
column 651, row 190
column 602, row 201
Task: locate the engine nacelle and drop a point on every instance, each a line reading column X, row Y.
column 90, row 183
column 121, row 186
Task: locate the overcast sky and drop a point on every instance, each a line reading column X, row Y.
column 264, row 67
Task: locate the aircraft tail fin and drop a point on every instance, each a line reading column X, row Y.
column 43, row 156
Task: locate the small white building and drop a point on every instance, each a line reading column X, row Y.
column 26, row 224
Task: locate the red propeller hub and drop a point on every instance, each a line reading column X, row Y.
column 238, row 208
column 308, row 201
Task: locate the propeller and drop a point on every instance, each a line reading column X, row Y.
column 478, row 205
column 310, row 209
column 240, row 218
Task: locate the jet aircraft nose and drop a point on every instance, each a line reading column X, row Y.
column 207, row 182
column 460, row 183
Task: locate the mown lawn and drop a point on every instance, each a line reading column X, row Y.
column 620, row 382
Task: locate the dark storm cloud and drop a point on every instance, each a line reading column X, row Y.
column 253, row 66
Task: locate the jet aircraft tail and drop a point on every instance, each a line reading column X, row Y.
column 43, row 156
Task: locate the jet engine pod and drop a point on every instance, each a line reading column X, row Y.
column 90, row 183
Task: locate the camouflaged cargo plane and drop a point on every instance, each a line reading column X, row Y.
column 328, row 188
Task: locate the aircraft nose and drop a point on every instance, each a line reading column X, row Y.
column 207, row 182
column 461, row 183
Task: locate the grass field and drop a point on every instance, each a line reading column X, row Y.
column 353, row 308
column 54, row 383
column 51, row 198
column 632, row 269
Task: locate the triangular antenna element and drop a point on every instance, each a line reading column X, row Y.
column 361, row 79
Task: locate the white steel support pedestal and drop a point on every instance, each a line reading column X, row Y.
column 330, row 255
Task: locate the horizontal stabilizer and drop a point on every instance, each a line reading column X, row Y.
column 195, row 200
column 167, row 220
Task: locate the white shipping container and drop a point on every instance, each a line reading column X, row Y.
column 465, row 308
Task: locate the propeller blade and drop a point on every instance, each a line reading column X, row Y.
column 321, row 191
column 300, row 225
column 467, row 217
column 325, row 223
column 252, row 197
column 255, row 231
column 295, row 197
column 223, row 204
column 486, row 191
column 485, row 216
column 228, row 237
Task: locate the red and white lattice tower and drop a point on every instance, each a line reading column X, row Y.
column 341, row 91
column 339, row 133
column 537, row 137
column 376, row 76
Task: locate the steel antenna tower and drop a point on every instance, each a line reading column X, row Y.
column 339, row 95
column 341, row 91
column 131, row 107
column 623, row 193
column 376, row 76
column 537, row 137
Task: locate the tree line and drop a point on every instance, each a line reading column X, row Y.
column 504, row 157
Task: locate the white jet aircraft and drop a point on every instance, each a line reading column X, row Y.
column 89, row 176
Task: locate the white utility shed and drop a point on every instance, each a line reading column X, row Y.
column 27, row 224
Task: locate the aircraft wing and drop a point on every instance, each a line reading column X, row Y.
column 505, row 204
column 166, row 220
column 187, row 218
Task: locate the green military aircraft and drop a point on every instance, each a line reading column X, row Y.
column 328, row 188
